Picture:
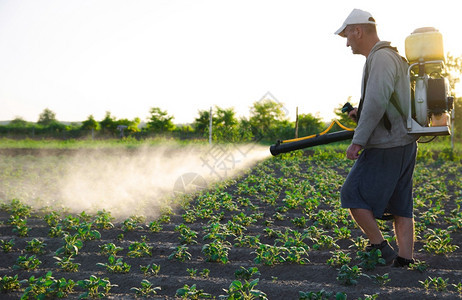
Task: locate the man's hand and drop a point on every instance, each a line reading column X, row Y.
column 353, row 114
column 353, row 151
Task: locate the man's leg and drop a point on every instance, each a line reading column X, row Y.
column 404, row 230
column 365, row 219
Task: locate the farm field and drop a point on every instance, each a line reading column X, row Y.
column 275, row 231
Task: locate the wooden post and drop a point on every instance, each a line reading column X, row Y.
column 296, row 123
column 210, row 126
column 453, row 114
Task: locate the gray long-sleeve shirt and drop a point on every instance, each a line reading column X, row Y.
column 387, row 74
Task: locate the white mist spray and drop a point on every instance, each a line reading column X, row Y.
column 138, row 182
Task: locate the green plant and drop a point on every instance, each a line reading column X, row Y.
column 70, row 222
column 21, row 228
column 418, row 265
column 57, row 231
column 324, row 242
column 192, row 272
column 238, row 290
column 191, row 292
column 243, row 220
column 9, row 283
column 155, row 226
column 349, row 276
column 72, row 245
column 27, row 262
column 48, row 287
column 216, row 231
column 204, row 273
column 16, row 208
column 360, row 243
column 299, row 222
column 180, row 253
column 52, row 219
column 338, row 259
column 86, row 233
column 217, row 251
column 67, row 263
column 103, row 220
column 115, row 265
column 137, row 249
column 151, row 269
column 269, row 255
column 297, row 255
column 95, row 287
column 342, row 233
column 439, row 241
column 165, row 219
column 35, row 246
column 187, row 236
column 321, row 295
column 246, row 274
column 146, row 289
column 369, row 297
column 438, row 283
column 110, row 249
column 292, row 238
column 189, row 216
column 381, row 279
column 370, row 259
column 131, row 224
column 7, row 246
column 326, row 219
column 235, row 228
column 458, row 287
column 247, row 241
column 85, row 217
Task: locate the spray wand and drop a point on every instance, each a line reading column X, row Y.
column 284, row 146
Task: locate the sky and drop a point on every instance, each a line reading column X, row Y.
column 81, row 57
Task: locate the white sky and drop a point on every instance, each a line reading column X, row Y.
column 81, row 57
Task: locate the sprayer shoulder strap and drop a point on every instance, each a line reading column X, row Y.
column 393, row 100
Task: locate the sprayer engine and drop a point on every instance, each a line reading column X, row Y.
column 430, row 101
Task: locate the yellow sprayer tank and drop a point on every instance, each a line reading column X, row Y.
column 424, row 43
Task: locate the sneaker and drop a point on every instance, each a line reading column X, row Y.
column 388, row 253
column 400, row 262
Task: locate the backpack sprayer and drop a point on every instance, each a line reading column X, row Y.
column 428, row 114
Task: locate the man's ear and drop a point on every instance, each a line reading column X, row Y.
column 359, row 31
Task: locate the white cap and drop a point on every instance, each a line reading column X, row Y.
column 356, row 16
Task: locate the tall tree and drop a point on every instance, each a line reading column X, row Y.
column 267, row 118
column 18, row 122
column 201, row 123
column 309, row 124
column 90, row 124
column 108, row 124
column 47, row 117
column 160, row 121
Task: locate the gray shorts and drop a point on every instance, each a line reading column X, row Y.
column 381, row 181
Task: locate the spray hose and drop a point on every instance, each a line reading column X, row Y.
column 313, row 140
column 318, row 134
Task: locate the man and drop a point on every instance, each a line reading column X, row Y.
column 379, row 185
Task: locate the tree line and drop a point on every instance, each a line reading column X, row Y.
column 267, row 121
